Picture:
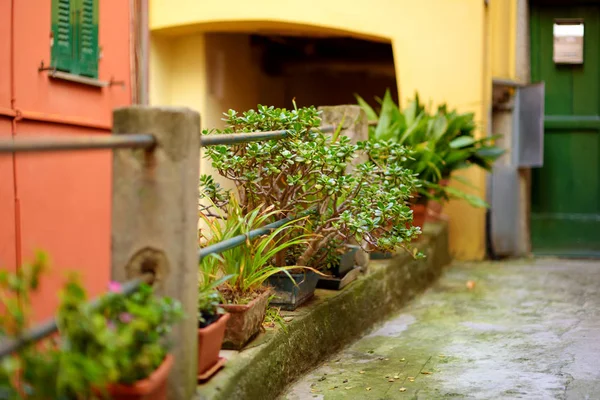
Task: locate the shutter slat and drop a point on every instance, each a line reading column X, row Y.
column 61, row 54
column 88, row 41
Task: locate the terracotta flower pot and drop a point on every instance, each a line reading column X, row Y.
column 245, row 321
column 419, row 214
column 153, row 387
column 435, row 208
column 210, row 339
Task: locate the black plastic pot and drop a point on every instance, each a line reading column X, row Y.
column 289, row 295
column 335, row 283
column 381, row 256
column 347, row 261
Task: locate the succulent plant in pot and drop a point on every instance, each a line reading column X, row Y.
column 306, row 173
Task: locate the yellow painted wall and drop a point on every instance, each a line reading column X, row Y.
column 441, row 49
column 503, row 20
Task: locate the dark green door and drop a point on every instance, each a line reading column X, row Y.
column 565, row 203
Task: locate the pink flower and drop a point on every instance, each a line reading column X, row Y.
column 125, row 317
column 111, row 325
column 114, row 287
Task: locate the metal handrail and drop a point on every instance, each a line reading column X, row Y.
column 49, row 327
column 245, row 137
column 79, row 142
column 129, row 140
column 240, row 239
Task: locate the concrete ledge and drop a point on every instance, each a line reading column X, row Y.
column 330, row 321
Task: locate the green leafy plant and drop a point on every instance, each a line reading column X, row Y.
column 440, row 143
column 239, row 273
column 119, row 339
column 209, row 301
column 54, row 368
column 273, row 318
column 141, row 323
column 307, row 174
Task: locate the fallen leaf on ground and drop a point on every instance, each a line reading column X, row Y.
column 426, row 373
column 396, row 376
column 403, row 359
column 390, row 380
column 411, row 379
column 361, row 372
column 348, row 387
column 441, row 356
column 402, row 389
column 470, row 284
column 368, row 389
column 288, row 319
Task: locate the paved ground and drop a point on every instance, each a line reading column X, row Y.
column 524, row 330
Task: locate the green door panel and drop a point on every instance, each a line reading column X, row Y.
column 565, row 197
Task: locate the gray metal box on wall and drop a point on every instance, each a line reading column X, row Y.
column 528, row 131
column 519, row 116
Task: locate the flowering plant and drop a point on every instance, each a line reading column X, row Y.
column 141, row 323
column 120, row 339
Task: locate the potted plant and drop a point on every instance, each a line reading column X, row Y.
column 212, row 321
column 51, row 368
column 243, row 270
column 307, row 174
column 440, row 144
column 115, row 347
column 140, row 324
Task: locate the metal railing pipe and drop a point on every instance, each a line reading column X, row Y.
column 79, row 142
column 246, row 137
column 240, row 239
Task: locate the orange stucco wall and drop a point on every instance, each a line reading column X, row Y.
column 59, row 202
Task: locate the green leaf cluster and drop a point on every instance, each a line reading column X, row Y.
column 119, row 339
column 239, row 273
column 440, row 142
column 309, row 172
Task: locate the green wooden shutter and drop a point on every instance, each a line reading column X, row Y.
column 87, row 38
column 61, row 56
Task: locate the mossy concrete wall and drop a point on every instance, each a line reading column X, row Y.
column 330, row 321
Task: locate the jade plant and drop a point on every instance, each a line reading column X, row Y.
column 307, row 173
column 440, row 143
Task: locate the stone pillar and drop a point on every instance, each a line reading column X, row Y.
column 154, row 219
column 355, row 125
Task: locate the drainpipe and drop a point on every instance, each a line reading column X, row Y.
column 145, row 52
column 139, row 37
column 13, row 127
